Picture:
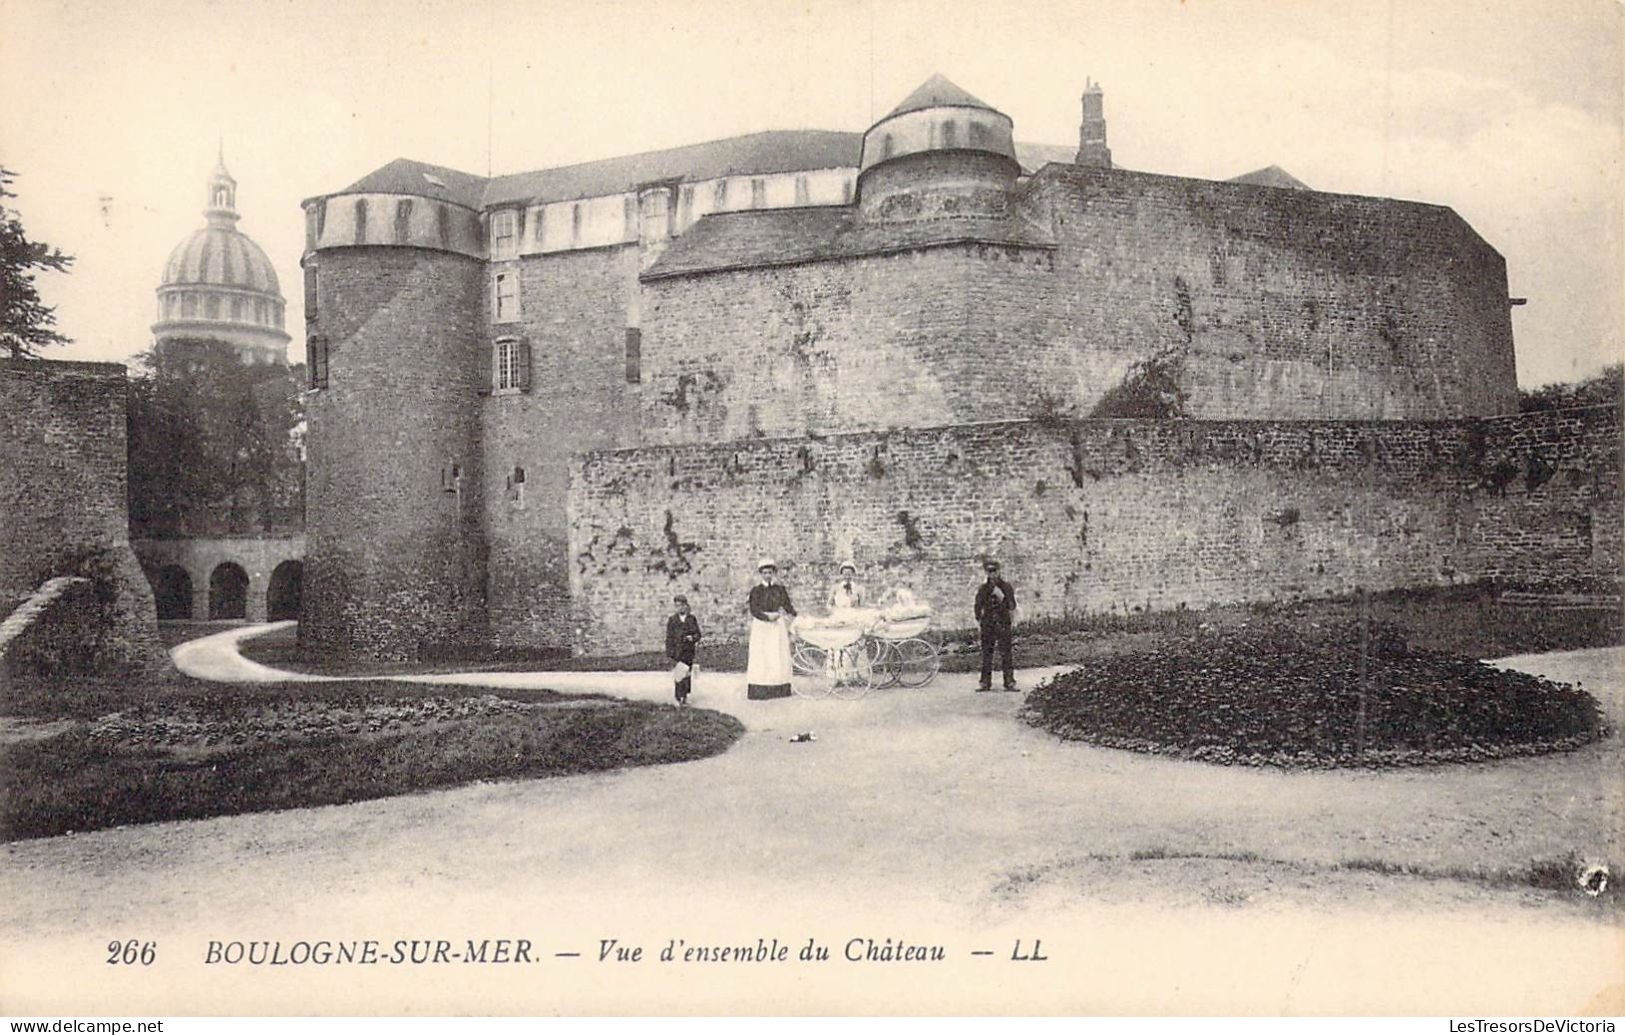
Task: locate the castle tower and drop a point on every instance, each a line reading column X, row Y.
column 1092, row 149
column 940, row 153
column 395, row 297
column 218, row 285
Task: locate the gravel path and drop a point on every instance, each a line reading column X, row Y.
column 930, row 816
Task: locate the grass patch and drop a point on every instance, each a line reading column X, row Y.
column 175, row 748
column 1282, row 694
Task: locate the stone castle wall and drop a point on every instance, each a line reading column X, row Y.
column 1275, row 303
column 395, row 557
column 921, row 337
column 63, row 507
column 576, row 307
column 1093, row 516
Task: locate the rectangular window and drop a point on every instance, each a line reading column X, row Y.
column 758, row 193
column 634, row 355
column 511, row 365
column 316, row 360
column 803, row 194
column 507, row 297
column 310, row 291
column 504, row 235
column 719, row 200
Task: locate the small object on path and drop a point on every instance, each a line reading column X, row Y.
column 1594, row 880
column 803, row 738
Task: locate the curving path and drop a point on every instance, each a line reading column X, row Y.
column 927, row 816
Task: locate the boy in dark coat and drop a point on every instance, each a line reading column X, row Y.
column 995, row 607
column 682, row 633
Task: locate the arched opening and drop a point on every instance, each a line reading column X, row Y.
column 282, row 599
column 172, row 589
column 228, row 592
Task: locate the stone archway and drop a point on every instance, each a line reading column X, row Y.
column 282, row 599
column 172, row 590
column 228, row 592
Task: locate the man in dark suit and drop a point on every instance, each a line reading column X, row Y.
column 995, row 611
column 682, row 633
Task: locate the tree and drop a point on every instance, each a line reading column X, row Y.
column 1606, row 388
column 214, row 444
column 26, row 324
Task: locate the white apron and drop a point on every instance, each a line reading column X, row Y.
column 768, row 670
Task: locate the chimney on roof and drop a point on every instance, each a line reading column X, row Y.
column 1092, row 149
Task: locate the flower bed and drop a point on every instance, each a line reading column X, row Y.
column 1272, row 694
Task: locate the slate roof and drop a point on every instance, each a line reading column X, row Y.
column 406, row 176
column 774, row 151
column 789, row 236
column 938, row 92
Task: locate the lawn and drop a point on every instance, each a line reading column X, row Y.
column 89, row 754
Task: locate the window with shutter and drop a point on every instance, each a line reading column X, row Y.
column 510, row 365
column 316, row 360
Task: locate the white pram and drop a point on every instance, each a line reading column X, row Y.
column 855, row 650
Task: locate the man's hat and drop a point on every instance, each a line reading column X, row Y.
column 766, row 562
column 848, row 566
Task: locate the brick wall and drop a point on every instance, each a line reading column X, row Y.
column 1093, row 516
column 1276, row 303
column 63, row 507
column 395, row 561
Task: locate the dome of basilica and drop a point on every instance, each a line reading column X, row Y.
column 218, row 285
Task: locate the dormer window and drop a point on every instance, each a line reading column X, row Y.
column 504, row 235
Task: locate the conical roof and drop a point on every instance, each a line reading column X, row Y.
column 938, row 92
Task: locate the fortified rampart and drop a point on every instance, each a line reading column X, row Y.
column 1094, row 515
column 63, row 509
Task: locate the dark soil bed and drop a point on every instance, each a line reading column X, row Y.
column 109, row 753
column 1269, row 693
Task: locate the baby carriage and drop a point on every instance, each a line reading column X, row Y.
column 854, row 651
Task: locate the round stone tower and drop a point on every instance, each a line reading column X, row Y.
column 394, row 303
column 940, row 153
column 218, row 286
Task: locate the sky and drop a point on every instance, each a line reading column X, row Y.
column 1508, row 111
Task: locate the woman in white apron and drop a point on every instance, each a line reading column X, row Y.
column 767, row 674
